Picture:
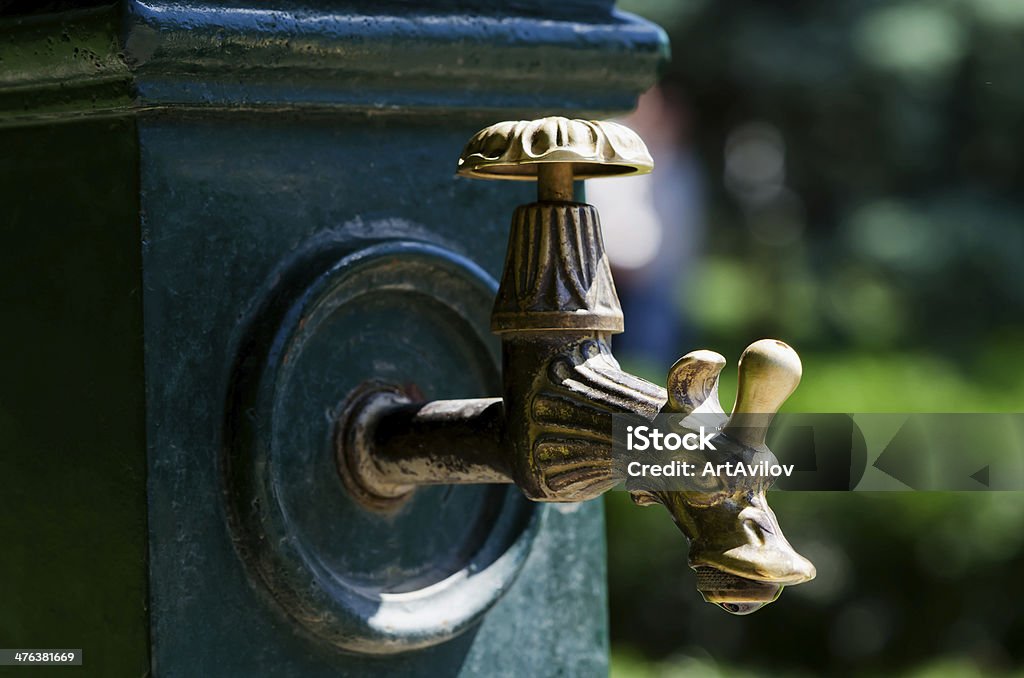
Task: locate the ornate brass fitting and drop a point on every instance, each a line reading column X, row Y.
column 551, row 431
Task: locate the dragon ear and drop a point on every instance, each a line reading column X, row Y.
column 693, row 383
column 769, row 371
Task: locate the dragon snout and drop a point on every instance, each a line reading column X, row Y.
column 743, row 560
column 747, row 543
column 737, row 549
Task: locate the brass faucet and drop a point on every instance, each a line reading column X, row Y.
column 551, row 431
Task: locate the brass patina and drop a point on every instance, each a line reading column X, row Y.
column 519, row 149
column 551, row 431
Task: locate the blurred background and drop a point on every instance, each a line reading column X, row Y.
column 845, row 176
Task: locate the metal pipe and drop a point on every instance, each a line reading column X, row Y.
column 442, row 442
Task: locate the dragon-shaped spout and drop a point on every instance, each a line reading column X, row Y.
column 737, row 548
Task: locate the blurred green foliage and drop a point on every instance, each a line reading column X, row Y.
column 921, row 583
column 863, row 164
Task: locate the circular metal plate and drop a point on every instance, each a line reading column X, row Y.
column 409, row 314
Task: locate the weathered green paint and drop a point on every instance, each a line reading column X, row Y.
column 141, row 244
column 490, row 60
column 63, row 66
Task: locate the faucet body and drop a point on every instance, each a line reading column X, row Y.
column 555, row 311
column 551, row 431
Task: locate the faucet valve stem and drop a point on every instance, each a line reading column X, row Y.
column 554, row 182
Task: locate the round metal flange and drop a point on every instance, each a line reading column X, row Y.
column 371, row 581
column 355, row 464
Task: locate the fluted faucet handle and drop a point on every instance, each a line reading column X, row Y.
column 769, row 372
column 554, row 151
